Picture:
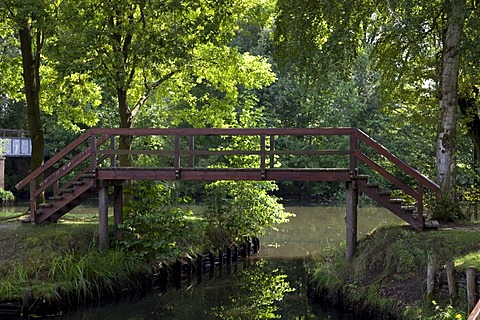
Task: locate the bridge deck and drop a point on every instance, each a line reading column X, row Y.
column 211, row 174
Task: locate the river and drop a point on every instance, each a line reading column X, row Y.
column 270, row 283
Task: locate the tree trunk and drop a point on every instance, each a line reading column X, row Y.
column 446, row 139
column 125, row 142
column 31, row 78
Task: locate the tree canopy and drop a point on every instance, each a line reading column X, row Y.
column 424, row 55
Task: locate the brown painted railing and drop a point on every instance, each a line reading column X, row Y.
column 422, row 181
column 91, row 152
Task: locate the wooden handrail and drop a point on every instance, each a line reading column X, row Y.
column 385, row 174
column 68, row 167
column 33, row 175
column 399, row 163
column 475, row 314
column 219, row 132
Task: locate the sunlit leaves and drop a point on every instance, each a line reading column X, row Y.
column 243, row 208
column 73, row 98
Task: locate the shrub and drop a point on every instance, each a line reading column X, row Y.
column 6, row 197
column 155, row 227
column 242, row 208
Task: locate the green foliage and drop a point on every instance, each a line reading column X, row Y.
column 58, row 261
column 242, row 208
column 389, row 267
column 447, row 313
column 84, row 275
column 3, row 147
column 444, row 207
column 155, row 227
column 6, row 197
column 257, row 295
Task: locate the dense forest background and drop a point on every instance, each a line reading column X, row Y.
column 239, row 63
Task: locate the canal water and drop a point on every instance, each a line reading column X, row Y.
column 267, row 285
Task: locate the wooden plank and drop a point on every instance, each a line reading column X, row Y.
column 223, row 174
column 223, row 132
column 226, row 152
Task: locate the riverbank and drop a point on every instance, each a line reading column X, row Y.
column 387, row 275
column 49, row 269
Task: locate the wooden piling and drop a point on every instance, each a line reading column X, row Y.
column 118, row 211
column 103, row 217
column 351, row 218
column 177, row 273
column 220, row 258
column 235, row 253
column 431, row 270
column 211, row 258
column 2, row 172
column 471, row 274
column 244, row 250
column 256, row 244
column 452, row 281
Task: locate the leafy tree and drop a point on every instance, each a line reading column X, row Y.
column 138, row 50
column 424, row 53
column 29, row 21
column 27, row 31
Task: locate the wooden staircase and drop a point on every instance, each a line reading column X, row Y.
column 56, row 206
column 399, row 206
column 92, row 161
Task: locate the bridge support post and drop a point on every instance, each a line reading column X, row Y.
column 2, row 172
column 118, row 211
column 351, row 218
column 102, row 216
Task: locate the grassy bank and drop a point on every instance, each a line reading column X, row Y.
column 388, row 271
column 57, row 261
column 60, row 264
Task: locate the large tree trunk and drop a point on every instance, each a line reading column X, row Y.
column 446, row 139
column 31, row 77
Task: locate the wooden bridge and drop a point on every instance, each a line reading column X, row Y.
column 90, row 165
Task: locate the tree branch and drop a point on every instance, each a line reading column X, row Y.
column 148, row 92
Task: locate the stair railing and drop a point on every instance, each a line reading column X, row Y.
column 421, row 180
column 53, row 179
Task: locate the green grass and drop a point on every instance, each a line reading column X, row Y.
column 10, row 215
column 51, row 261
column 388, row 271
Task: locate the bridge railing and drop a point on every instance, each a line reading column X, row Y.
column 422, row 181
column 177, row 149
column 184, row 147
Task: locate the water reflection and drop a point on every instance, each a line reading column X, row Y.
column 256, row 296
column 269, row 285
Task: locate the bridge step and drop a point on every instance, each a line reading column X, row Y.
column 395, row 205
column 78, row 191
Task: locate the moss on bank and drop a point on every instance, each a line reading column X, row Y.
column 388, row 271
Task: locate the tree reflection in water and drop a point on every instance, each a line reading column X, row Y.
column 258, row 295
